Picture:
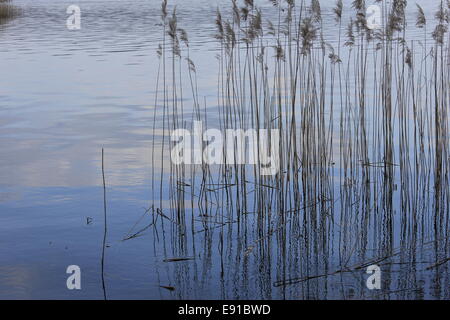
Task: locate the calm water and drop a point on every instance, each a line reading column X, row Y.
column 65, row 95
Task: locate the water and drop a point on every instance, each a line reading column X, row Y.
column 65, row 95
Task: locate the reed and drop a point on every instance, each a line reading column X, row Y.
column 370, row 108
column 8, row 11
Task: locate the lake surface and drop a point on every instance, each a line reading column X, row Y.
column 65, row 95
